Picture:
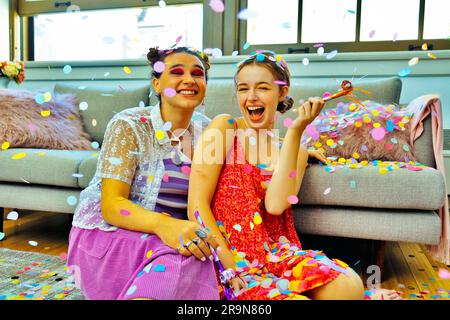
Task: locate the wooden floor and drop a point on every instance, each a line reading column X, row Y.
column 408, row 267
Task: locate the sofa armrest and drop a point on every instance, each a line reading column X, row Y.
column 424, row 144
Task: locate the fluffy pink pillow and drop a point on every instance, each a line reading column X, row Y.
column 371, row 132
column 23, row 125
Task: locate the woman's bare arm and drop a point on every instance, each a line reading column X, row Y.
column 209, row 157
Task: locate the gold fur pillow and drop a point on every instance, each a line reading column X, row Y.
column 55, row 124
column 370, row 132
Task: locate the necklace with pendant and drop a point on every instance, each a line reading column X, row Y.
column 176, row 150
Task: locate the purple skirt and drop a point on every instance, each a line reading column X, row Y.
column 123, row 264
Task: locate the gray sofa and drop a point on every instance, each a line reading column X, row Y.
column 399, row 206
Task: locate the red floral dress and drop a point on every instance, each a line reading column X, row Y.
column 267, row 250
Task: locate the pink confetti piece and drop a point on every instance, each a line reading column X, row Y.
column 177, row 41
column 165, row 177
column 372, row 34
column 292, row 199
column 293, row 174
column 186, row 170
column 217, row 6
column 63, row 255
column 125, row 212
column 287, row 122
column 326, row 94
column 169, row 92
column 248, row 168
column 159, row 66
column 282, row 83
column 444, row 274
column 378, row 133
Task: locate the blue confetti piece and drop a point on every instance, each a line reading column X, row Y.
column 140, row 274
column 230, row 121
column 404, row 72
column 144, row 236
column 159, row 268
column 72, row 200
column 131, row 290
column 390, row 126
column 67, row 69
column 40, row 99
column 246, row 46
column 351, row 11
column 260, row 57
column 262, row 166
column 252, row 284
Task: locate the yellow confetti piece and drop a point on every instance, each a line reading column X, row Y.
column 330, row 142
column 356, row 155
column 375, row 113
column 95, row 155
column 401, row 124
column 425, row 46
column 341, row 160
column 46, row 288
column 72, row 118
column 5, row 145
column 376, row 125
column 252, row 226
column 150, row 179
column 15, row 281
column 19, row 155
column 257, row 218
column 278, row 57
column 149, row 254
column 432, row 55
column 352, row 107
column 159, row 134
column 340, row 263
column 367, row 120
column 127, row 70
column 353, row 166
column 383, row 170
column 317, row 145
column 94, row 122
column 364, row 163
column 358, row 124
column 45, row 113
column 47, row 96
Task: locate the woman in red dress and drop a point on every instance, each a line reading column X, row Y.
column 243, row 181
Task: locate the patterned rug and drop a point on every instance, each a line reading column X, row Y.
column 35, row 276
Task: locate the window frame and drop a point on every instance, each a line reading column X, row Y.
column 355, row 46
column 27, row 20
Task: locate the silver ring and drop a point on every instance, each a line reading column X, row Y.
column 196, row 240
column 201, row 233
column 187, row 244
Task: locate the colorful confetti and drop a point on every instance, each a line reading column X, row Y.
column 217, row 6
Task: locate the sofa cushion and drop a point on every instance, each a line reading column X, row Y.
column 40, row 166
column 367, row 187
column 55, row 124
column 103, row 103
column 419, row 226
column 87, row 170
column 221, row 96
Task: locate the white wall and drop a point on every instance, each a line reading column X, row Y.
column 4, row 30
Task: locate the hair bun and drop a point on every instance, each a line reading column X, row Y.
column 153, row 55
column 285, row 105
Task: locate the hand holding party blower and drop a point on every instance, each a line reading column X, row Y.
column 225, row 274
